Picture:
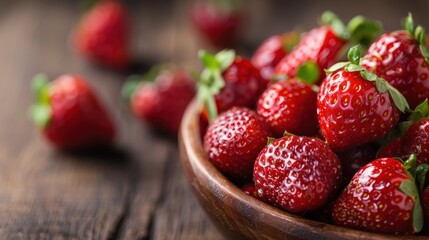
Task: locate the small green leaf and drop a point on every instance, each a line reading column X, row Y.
column 420, row 35
column 409, row 24
column 336, row 67
column 354, row 54
column 208, row 60
column 270, row 140
column 130, row 87
column 421, row 172
column 399, row 99
column 280, row 77
column 40, row 84
column 363, row 30
column 308, row 72
column 225, row 58
column 425, row 52
column 418, row 217
column 410, row 165
column 330, row 19
column 354, row 68
column 290, row 40
column 368, row 75
column 381, row 85
column 41, row 114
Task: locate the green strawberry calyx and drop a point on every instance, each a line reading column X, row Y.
column 290, row 40
column 419, row 113
column 409, row 188
column 210, row 82
column 133, row 82
column 418, row 34
column 41, row 111
column 381, row 84
column 358, row 30
column 308, row 72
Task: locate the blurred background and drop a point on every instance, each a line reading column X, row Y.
column 137, row 189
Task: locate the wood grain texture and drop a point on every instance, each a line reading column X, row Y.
column 135, row 190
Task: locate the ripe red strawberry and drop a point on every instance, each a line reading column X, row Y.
column 271, row 51
column 233, row 141
column 297, row 174
column 397, row 57
column 414, row 141
column 322, row 45
column 228, row 81
column 70, row 114
column 102, row 34
column 382, row 197
column 160, row 97
column 289, row 106
column 355, row 107
column 218, row 22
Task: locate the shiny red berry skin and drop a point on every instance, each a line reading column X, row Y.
column 234, row 140
column 397, row 58
column 373, row 201
column 289, row 106
column 298, row 174
column 102, row 35
column 219, row 27
column 352, row 112
column 163, row 102
column 78, row 120
column 320, row 45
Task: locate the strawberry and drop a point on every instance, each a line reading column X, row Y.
column 271, row 51
column 355, row 107
column 228, row 81
column 425, row 203
column 70, row 114
column 321, row 46
column 382, row 197
column 414, row 141
column 160, row 97
column 233, row 141
column 218, row 22
column 102, row 34
column 298, row 174
column 402, row 59
column 289, row 106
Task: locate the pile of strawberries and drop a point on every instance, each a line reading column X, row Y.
column 303, row 130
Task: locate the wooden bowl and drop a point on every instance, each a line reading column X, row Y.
column 238, row 215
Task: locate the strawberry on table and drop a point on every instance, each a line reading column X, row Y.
column 298, row 174
column 271, row 51
column 402, row 59
column 234, row 140
column 227, row 81
column 355, row 107
column 70, row 114
column 102, row 34
column 322, row 45
column 161, row 96
column 218, row 22
column 382, row 197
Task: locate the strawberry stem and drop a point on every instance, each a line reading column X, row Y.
column 210, row 81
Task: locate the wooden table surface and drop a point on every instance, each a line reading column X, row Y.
column 136, row 190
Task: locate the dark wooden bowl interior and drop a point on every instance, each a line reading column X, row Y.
column 239, row 216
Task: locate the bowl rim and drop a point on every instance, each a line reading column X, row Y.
column 192, row 142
